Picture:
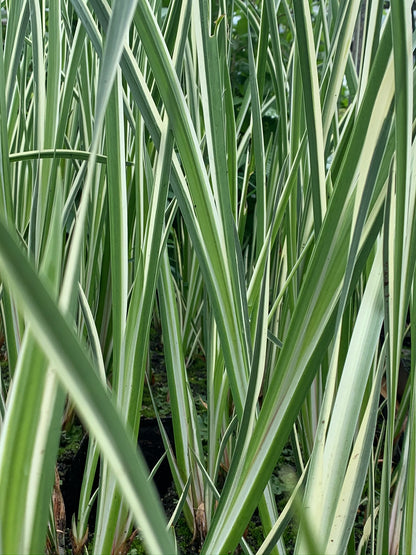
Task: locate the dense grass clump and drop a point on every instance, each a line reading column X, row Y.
column 207, row 219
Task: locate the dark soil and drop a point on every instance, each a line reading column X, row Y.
column 71, row 463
